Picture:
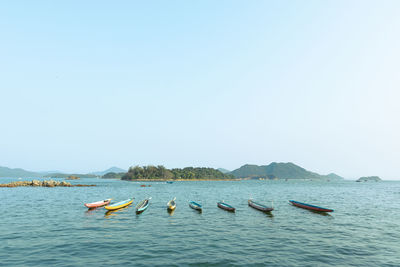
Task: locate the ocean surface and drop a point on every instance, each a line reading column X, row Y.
column 51, row 227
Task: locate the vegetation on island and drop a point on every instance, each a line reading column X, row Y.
column 113, row 175
column 369, row 179
column 162, row 173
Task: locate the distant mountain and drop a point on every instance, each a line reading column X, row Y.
column 223, row 170
column 279, row 171
column 8, row 172
column 112, row 169
column 333, row 176
column 66, row 175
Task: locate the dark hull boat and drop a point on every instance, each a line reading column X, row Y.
column 225, row 206
column 309, row 207
column 259, row 206
column 142, row 206
column 195, row 206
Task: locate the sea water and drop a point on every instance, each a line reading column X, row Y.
column 51, row 227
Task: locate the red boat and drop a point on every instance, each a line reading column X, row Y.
column 98, row 203
column 309, row 207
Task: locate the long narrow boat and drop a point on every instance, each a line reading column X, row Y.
column 171, row 205
column 195, row 206
column 142, row 206
column 259, row 206
column 309, row 207
column 225, row 206
column 119, row 205
column 97, row 204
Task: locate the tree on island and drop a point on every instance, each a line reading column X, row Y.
column 160, row 172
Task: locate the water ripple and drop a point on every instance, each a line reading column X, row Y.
column 50, row 227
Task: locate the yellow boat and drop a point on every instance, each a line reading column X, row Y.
column 119, row 205
column 171, row 205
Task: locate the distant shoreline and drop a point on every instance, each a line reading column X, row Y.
column 175, row 180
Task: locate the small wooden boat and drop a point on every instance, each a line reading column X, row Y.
column 195, row 206
column 309, row 207
column 171, row 205
column 169, row 182
column 119, row 205
column 98, row 203
column 142, row 206
column 259, row 206
column 225, row 206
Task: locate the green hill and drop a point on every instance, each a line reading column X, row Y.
column 160, row 172
column 279, row 171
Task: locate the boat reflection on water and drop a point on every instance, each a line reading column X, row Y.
column 171, row 212
column 269, row 214
column 322, row 213
column 90, row 212
column 111, row 213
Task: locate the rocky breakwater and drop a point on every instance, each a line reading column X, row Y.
column 48, row 183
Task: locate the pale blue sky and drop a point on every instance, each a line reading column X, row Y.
column 85, row 85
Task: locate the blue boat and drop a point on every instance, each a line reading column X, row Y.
column 225, row 206
column 142, row 206
column 309, row 207
column 169, row 182
column 195, row 206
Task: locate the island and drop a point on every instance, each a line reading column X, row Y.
column 273, row 171
column 160, row 173
column 280, row 171
column 369, row 179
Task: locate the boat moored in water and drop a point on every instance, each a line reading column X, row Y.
column 309, row 207
column 225, row 206
column 97, row 204
column 119, row 205
column 195, row 206
column 171, row 205
column 142, row 206
column 259, row 206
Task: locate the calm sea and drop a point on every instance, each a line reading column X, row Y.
column 51, row 227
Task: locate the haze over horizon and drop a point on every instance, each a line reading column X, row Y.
column 90, row 85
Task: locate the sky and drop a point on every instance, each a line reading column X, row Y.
column 86, row 85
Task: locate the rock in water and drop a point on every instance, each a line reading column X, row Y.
column 49, row 183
